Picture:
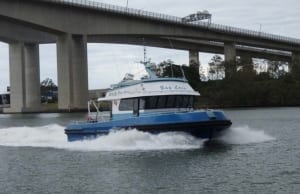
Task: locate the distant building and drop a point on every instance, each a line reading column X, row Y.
column 4, row 100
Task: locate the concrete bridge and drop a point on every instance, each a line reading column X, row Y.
column 71, row 24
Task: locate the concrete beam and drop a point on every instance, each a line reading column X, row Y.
column 72, row 72
column 83, row 20
column 11, row 31
column 188, row 44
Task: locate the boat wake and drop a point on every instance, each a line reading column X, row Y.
column 53, row 136
column 245, row 135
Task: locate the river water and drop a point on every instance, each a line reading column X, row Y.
column 259, row 154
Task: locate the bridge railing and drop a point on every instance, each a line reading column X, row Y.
column 174, row 19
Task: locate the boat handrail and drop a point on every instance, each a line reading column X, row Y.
column 90, row 118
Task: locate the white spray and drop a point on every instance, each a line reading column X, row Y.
column 53, row 136
column 245, row 135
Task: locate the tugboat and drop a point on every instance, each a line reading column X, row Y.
column 153, row 104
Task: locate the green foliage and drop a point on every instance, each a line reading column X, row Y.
column 192, row 75
column 216, row 68
column 48, row 90
column 241, row 93
column 169, row 69
column 244, row 88
column 252, row 90
column 48, row 83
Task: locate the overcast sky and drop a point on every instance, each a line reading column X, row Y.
column 109, row 62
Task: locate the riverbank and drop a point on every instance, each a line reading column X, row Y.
column 249, row 93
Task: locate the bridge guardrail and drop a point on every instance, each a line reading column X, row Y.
column 174, row 19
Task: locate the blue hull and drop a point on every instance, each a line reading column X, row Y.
column 202, row 124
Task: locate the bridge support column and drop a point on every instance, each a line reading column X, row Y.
column 17, row 78
column 194, row 58
column 32, row 78
column 194, row 61
column 24, row 78
column 295, row 65
column 230, row 59
column 72, row 72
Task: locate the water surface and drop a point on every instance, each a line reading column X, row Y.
column 259, row 154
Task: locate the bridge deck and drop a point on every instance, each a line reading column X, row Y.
column 174, row 19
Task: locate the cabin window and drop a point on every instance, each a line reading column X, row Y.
column 161, row 102
column 136, row 106
column 131, row 104
column 142, row 103
column 185, row 101
column 151, row 102
column 156, row 102
column 126, row 104
column 178, row 102
column 171, row 101
column 191, row 102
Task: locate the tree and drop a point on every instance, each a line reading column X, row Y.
column 277, row 69
column 216, row 67
column 169, row 69
column 48, row 90
column 202, row 74
column 245, row 68
column 48, row 83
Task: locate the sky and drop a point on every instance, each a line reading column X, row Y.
column 108, row 63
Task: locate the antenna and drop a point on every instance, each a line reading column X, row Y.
column 147, row 63
column 171, row 63
column 145, row 54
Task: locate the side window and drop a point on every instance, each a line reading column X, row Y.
column 151, row 102
column 191, row 102
column 142, row 103
column 136, row 106
column 178, row 101
column 126, row 104
column 170, row 102
column 185, row 102
column 161, row 102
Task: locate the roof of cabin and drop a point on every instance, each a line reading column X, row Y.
column 150, row 87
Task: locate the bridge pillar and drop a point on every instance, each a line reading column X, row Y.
column 32, row 77
column 24, row 78
column 194, row 58
column 72, row 72
column 230, row 58
column 194, row 61
column 17, row 78
column 295, row 65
